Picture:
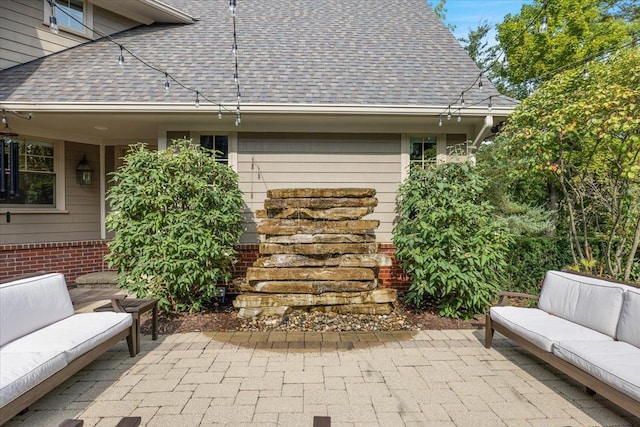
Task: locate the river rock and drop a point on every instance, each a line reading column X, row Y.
column 348, row 260
column 252, row 300
column 308, row 287
column 319, row 248
column 286, row 193
column 330, row 273
column 306, row 226
column 323, row 238
column 321, row 203
column 332, row 214
column 385, row 308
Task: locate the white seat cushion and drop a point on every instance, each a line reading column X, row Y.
column 614, row 363
column 29, row 304
column 587, row 301
column 541, row 328
column 22, row 371
column 629, row 326
column 74, row 335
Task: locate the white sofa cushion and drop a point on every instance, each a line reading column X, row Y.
column 29, row 304
column 541, row 328
column 74, row 335
column 615, row 363
column 587, row 301
column 629, row 325
column 22, row 371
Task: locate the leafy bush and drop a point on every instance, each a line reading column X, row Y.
column 447, row 240
column 177, row 214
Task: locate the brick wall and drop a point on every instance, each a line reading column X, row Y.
column 76, row 258
column 70, row 258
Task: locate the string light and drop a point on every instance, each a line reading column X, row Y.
column 166, row 82
column 459, row 117
column 232, row 6
column 462, row 99
column 219, row 112
column 585, row 72
column 544, row 23
column 4, row 120
column 490, row 104
column 449, row 113
column 197, row 103
column 440, row 121
column 53, row 21
column 480, row 85
column 121, row 57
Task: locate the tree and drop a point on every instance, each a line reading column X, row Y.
column 578, row 30
column 477, row 45
column 584, row 135
column 177, row 215
column 440, row 9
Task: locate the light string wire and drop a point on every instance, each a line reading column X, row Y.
column 167, row 75
column 478, row 80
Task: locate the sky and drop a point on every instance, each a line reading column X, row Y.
column 467, row 14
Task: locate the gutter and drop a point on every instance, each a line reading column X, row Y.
column 484, row 132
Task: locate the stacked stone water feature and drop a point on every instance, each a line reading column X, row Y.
column 317, row 253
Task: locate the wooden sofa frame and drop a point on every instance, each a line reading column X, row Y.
column 31, row 396
column 592, row 384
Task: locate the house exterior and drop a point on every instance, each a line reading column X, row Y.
column 334, row 94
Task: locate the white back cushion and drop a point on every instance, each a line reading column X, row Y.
column 629, row 326
column 30, row 304
column 591, row 302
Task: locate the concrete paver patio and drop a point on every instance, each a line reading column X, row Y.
column 422, row 378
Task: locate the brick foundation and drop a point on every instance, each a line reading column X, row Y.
column 76, row 258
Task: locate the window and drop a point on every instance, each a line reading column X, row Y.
column 218, row 143
column 73, row 16
column 36, row 177
column 422, row 150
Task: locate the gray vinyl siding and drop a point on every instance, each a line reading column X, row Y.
column 24, row 36
column 82, row 218
column 270, row 161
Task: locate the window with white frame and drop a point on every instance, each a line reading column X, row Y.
column 73, row 16
column 422, row 150
column 219, row 144
column 37, row 173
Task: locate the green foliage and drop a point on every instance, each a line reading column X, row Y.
column 477, row 45
column 577, row 30
column 447, row 241
column 177, row 215
column 583, row 136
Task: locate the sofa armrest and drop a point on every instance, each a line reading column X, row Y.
column 116, row 301
column 504, row 296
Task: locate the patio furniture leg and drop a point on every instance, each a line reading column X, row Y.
column 321, row 421
column 71, row 423
column 154, row 322
column 488, row 331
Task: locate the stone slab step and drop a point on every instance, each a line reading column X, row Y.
column 285, row 193
column 332, row 214
column 255, row 274
column 322, row 238
column 98, row 279
column 383, row 295
column 319, row 248
column 308, row 287
column 320, row 203
column 349, row 260
column 307, row 226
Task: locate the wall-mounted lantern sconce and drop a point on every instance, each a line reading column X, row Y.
column 84, row 172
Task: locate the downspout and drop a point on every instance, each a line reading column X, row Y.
column 484, row 132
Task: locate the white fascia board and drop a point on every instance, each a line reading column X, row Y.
column 408, row 110
column 170, row 10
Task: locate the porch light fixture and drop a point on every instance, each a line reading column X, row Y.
column 84, row 173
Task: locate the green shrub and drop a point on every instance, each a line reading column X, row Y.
column 447, row 240
column 177, row 215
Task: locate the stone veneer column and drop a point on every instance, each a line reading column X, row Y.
column 317, row 254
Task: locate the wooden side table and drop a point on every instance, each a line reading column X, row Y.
column 136, row 307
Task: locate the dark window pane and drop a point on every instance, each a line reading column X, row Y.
column 43, row 164
column 206, row 141
column 222, row 145
column 34, row 189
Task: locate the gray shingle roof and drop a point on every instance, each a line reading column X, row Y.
column 370, row 52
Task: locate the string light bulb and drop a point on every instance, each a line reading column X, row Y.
column 585, row 72
column 490, row 104
column 543, row 24
column 232, row 6
column 197, row 103
column 449, row 113
column 121, row 57
column 53, row 21
column 219, row 112
column 234, row 49
column 4, row 118
column 462, row 99
column 440, row 121
column 166, row 82
column 480, row 85
column 459, row 117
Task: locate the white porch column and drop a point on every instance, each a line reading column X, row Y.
column 103, row 189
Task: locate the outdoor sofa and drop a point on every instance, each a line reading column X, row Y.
column 586, row 327
column 43, row 342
